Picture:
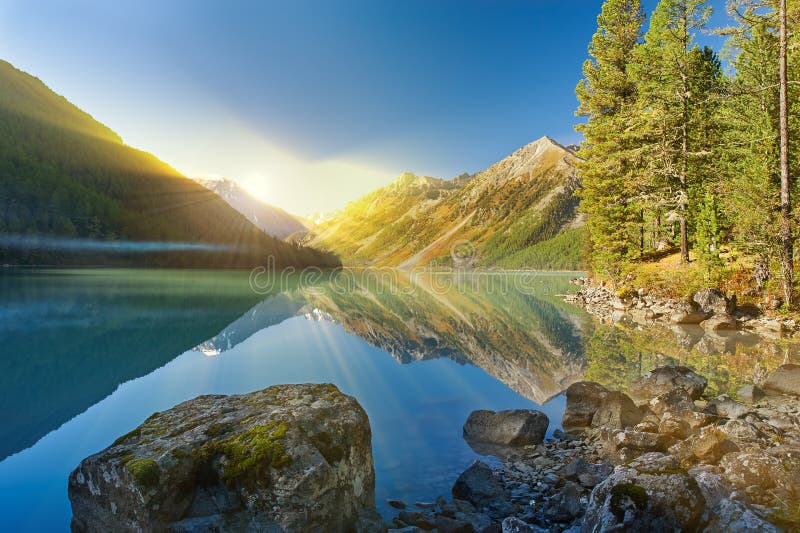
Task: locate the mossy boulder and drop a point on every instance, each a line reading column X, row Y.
column 650, row 495
column 287, row 458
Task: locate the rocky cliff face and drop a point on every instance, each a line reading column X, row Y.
column 286, row 458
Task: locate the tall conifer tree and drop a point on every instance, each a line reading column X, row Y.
column 673, row 72
column 607, row 97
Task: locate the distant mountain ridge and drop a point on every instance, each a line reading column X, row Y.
column 268, row 218
column 520, row 212
column 63, row 174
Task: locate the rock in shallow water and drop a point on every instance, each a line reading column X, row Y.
column 478, row 485
column 290, row 457
column 518, row 427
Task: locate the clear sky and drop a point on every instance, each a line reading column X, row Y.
column 310, row 104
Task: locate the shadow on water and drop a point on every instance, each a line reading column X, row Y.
column 69, row 338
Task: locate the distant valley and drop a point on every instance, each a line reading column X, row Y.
column 521, row 212
column 267, row 218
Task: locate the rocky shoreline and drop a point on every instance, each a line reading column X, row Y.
column 660, row 456
column 709, row 308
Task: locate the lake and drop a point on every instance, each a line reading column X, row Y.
column 87, row 355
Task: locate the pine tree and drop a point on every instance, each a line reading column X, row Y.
column 758, row 189
column 708, row 232
column 677, row 81
column 607, row 97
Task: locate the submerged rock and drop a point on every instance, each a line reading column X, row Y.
column 518, row 427
column 478, row 485
column 290, row 457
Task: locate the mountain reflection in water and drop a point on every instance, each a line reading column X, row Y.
column 88, row 354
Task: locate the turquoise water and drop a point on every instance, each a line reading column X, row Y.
column 88, row 355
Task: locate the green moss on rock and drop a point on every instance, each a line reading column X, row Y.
column 627, row 492
column 250, row 454
column 133, row 433
column 145, row 471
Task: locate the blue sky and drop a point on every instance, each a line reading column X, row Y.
column 310, row 104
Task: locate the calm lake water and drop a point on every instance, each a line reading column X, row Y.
column 87, row 355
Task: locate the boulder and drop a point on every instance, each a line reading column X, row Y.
column 750, row 393
column 616, row 411
column 565, row 505
column 583, row 399
column 725, row 407
column 630, row 500
column 676, row 400
column 735, row 517
column 724, row 514
column 478, row 485
column 518, row 427
column 666, row 378
column 708, row 446
column 674, row 426
column 774, row 469
column 290, row 457
column 641, row 441
column 655, row 463
column 515, row 525
column 784, row 380
column 714, row 488
column 714, row 301
column 587, row 474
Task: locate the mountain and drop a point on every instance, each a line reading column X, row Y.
column 71, row 191
column 270, row 219
column 520, row 212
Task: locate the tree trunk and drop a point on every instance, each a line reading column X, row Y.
column 787, row 252
column 641, row 233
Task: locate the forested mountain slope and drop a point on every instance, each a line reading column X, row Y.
column 520, row 212
column 63, row 174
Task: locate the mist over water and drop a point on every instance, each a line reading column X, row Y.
column 66, row 244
